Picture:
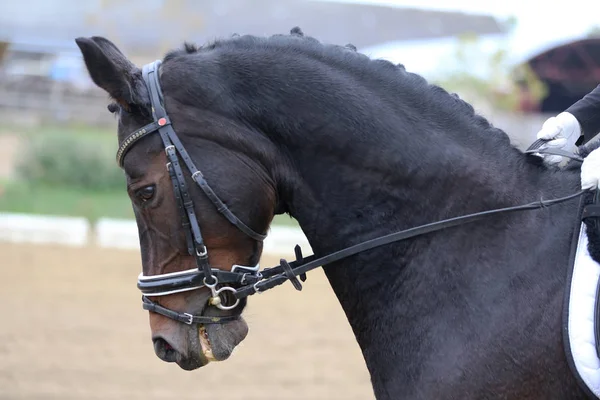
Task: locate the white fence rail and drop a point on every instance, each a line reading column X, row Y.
column 24, row 228
column 123, row 234
column 113, row 233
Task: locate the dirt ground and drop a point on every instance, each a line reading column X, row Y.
column 72, row 327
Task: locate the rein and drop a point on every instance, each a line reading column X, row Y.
column 243, row 281
column 275, row 276
column 535, row 148
column 289, row 271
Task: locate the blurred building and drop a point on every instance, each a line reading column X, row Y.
column 569, row 69
column 43, row 30
column 43, row 78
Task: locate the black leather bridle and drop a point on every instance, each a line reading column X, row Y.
column 203, row 275
column 243, row 281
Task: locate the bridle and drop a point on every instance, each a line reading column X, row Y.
column 203, row 275
column 243, row 281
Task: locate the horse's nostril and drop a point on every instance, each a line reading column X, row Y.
column 164, row 350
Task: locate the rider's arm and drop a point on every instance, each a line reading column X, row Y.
column 587, row 112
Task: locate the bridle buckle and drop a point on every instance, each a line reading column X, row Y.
column 190, row 318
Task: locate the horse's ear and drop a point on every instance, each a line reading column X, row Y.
column 109, row 68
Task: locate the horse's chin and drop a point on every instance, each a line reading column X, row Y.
column 217, row 341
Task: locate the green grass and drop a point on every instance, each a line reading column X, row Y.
column 82, row 132
column 41, row 199
column 18, row 197
column 285, row 220
column 23, row 197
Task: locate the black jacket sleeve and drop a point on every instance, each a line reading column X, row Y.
column 587, row 112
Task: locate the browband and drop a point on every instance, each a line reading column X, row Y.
column 133, row 138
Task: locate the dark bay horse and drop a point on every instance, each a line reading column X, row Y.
column 353, row 148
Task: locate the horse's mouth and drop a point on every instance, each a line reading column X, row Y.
column 217, row 341
column 200, row 351
column 205, row 345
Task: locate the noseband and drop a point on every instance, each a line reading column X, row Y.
column 243, row 281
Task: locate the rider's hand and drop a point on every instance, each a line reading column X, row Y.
column 590, row 170
column 562, row 132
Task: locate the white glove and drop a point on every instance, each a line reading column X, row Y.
column 562, row 131
column 590, row 170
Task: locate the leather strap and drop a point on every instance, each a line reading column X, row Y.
column 130, row 140
column 591, row 210
column 310, row 263
column 149, row 286
column 149, row 73
column 185, row 223
column 277, row 275
column 166, row 131
column 536, row 148
column 556, row 152
column 186, row 318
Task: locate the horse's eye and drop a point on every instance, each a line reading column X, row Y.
column 146, row 193
column 113, row 108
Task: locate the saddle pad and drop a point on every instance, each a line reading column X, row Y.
column 580, row 324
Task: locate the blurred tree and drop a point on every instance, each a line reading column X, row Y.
column 3, row 48
column 480, row 76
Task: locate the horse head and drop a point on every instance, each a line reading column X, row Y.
column 183, row 224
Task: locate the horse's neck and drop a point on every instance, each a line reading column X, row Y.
column 344, row 198
column 347, row 197
column 344, row 201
